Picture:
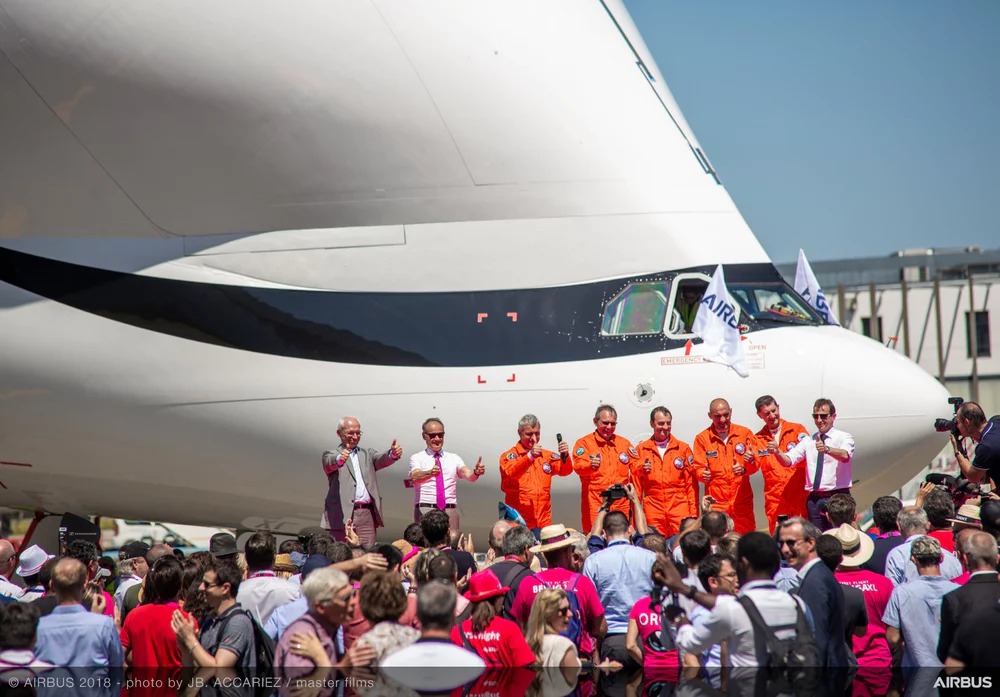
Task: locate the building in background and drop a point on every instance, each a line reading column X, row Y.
column 936, row 306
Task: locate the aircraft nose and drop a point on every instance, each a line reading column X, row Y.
column 888, row 403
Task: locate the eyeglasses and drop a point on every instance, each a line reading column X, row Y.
column 566, row 610
column 432, row 436
column 345, row 598
column 206, row 584
column 822, row 417
column 731, row 576
column 609, row 423
column 352, row 433
column 789, row 543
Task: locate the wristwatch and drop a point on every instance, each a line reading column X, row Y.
column 689, row 594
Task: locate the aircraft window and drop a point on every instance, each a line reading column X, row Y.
column 639, row 309
column 687, row 294
column 775, row 302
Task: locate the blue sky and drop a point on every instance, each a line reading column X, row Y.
column 849, row 128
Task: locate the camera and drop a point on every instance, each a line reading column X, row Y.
column 951, row 425
column 614, row 492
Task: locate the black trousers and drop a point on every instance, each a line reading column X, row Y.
column 815, row 507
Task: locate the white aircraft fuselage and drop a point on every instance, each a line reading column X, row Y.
column 223, row 227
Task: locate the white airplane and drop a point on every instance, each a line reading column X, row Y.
column 225, row 225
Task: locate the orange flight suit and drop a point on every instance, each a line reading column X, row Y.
column 669, row 493
column 784, row 487
column 527, row 486
column 732, row 493
column 616, row 457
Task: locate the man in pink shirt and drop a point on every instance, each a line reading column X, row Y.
column 557, row 547
column 872, row 648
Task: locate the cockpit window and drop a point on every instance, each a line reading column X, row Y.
column 774, row 302
column 688, row 290
column 641, row 308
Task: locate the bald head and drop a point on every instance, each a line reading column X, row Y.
column 158, row 551
column 721, row 415
column 8, row 559
column 497, row 532
column 68, row 579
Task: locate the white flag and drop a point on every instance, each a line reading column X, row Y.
column 807, row 286
column 716, row 324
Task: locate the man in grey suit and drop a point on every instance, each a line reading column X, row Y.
column 361, row 465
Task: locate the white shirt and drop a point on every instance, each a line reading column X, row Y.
column 10, row 590
column 262, row 595
column 836, row 474
column 361, row 494
column 426, row 491
column 122, row 588
column 729, row 622
column 419, row 666
column 805, row 569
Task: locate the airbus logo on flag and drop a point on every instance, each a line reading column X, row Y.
column 807, row 286
column 716, row 324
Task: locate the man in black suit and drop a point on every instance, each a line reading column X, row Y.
column 978, row 596
column 831, row 552
column 362, row 490
column 818, row 588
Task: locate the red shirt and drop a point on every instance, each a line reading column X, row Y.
column 945, row 537
column 147, row 632
column 501, row 644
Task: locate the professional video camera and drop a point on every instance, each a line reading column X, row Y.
column 959, row 488
column 951, row 425
column 613, row 493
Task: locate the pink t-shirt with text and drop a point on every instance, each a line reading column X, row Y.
column 586, row 593
column 872, row 649
column 648, row 620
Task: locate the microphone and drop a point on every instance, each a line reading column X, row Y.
column 559, row 440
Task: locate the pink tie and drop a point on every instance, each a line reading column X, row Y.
column 440, row 482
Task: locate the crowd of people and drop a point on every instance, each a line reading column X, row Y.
column 646, row 597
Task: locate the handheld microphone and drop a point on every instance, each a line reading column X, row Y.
column 559, row 440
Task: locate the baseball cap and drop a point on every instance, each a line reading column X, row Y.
column 222, row 544
column 133, row 550
column 925, row 547
column 315, row 561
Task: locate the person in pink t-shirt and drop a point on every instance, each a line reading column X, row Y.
column 872, row 648
column 557, row 546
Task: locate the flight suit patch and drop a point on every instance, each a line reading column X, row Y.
column 740, row 448
column 679, row 463
column 633, row 453
column 711, row 453
column 623, row 457
column 580, row 451
column 511, row 456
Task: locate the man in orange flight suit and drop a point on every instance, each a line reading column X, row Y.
column 665, row 476
column 526, row 473
column 724, row 456
column 602, row 459
column 784, row 487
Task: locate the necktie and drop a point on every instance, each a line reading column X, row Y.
column 439, row 481
column 818, row 477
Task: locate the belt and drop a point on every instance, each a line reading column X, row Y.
column 434, row 505
column 367, row 504
column 827, row 493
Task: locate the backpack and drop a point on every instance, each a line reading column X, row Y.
column 786, row 665
column 262, row 643
column 515, row 571
column 574, row 632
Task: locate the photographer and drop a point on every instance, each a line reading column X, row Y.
column 622, row 575
column 970, row 422
column 595, row 539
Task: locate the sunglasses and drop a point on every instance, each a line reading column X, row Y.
column 432, row 436
column 822, row 417
column 788, row 543
column 566, row 610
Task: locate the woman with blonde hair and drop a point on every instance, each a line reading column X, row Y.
column 550, row 615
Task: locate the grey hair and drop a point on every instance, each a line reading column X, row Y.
column 496, row 536
column 528, row 420
column 605, row 407
column 911, row 520
column 343, row 422
column 517, row 539
column 580, row 544
column 434, row 420
column 809, row 531
column 980, row 550
column 321, row 585
column 436, row 605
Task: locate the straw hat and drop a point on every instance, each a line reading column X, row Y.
column 858, row 547
column 968, row 514
column 553, row 537
column 32, row 560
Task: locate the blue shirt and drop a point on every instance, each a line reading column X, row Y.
column 73, row 637
column 623, row 576
column 915, row 610
column 899, row 568
column 284, row 615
